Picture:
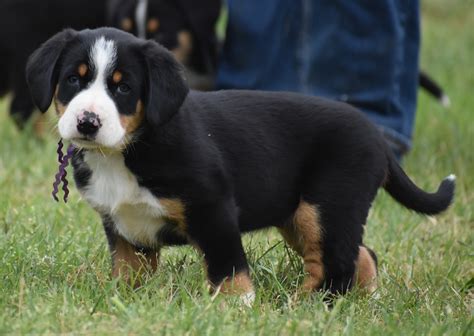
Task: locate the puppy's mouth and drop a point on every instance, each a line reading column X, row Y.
column 85, row 142
column 91, row 144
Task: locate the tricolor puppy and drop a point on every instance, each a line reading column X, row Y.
column 164, row 165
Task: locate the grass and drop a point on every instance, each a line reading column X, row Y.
column 55, row 266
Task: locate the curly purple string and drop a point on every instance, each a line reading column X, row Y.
column 62, row 173
column 60, row 150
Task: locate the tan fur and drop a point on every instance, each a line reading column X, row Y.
column 60, row 108
column 131, row 122
column 185, row 46
column 117, row 77
column 126, row 24
column 127, row 259
column 82, row 69
column 239, row 284
column 175, row 211
column 304, row 235
column 39, row 125
column 366, row 271
column 153, row 25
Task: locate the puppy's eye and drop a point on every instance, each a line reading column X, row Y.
column 123, row 88
column 73, row 80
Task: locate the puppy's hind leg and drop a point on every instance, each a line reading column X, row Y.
column 303, row 233
column 343, row 201
column 366, row 269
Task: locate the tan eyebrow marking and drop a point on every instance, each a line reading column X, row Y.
column 82, row 69
column 117, row 77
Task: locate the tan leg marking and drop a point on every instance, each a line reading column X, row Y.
column 126, row 258
column 304, row 235
column 175, row 211
column 131, row 122
column 185, row 46
column 126, row 24
column 153, row 25
column 366, row 271
column 239, row 284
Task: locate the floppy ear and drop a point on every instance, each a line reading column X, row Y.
column 166, row 87
column 41, row 72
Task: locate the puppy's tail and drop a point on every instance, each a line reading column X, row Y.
column 401, row 188
column 434, row 89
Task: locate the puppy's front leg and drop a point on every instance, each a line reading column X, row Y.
column 127, row 259
column 215, row 231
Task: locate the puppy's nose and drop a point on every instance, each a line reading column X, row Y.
column 88, row 123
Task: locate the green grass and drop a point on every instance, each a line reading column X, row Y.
column 54, row 263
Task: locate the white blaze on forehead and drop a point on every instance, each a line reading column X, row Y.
column 96, row 98
column 103, row 56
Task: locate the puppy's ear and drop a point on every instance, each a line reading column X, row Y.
column 41, row 69
column 166, row 87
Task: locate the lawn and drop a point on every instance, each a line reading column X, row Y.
column 55, row 265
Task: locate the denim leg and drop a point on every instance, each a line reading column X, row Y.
column 259, row 49
column 363, row 52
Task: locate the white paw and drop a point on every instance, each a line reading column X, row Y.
column 248, row 298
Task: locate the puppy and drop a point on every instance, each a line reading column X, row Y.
column 433, row 89
column 163, row 165
column 186, row 27
column 25, row 25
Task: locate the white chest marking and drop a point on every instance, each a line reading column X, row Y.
column 113, row 189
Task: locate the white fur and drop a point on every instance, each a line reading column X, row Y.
column 451, row 178
column 140, row 18
column 248, row 298
column 113, row 189
column 445, row 101
column 95, row 99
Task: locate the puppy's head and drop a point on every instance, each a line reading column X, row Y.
column 105, row 84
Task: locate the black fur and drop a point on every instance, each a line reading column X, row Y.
column 41, row 70
column 25, row 25
column 242, row 161
column 166, row 88
column 174, row 16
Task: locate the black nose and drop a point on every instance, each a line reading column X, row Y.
column 88, row 123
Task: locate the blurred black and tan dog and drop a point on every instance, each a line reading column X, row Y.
column 186, row 27
column 165, row 166
column 25, row 25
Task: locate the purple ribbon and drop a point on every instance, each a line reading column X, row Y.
column 62, row 173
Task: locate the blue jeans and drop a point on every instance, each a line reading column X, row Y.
column 363, row 52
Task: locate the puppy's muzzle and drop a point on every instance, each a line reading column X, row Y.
column 88, row 123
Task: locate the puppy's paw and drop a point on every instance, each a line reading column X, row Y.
column 248, row 299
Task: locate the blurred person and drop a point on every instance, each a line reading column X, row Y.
column 362, row 52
